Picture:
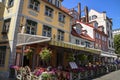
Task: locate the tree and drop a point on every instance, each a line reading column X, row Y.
column 117, row 43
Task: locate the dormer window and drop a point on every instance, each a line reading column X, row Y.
column 94, row 17
column 78, row 28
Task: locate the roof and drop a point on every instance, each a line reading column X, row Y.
column 83, row 36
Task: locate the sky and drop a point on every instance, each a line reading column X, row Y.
column 112, row 8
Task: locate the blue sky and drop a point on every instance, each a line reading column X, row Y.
column 110, row 6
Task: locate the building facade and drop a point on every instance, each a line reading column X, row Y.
column 43, row 18
column 102, row 19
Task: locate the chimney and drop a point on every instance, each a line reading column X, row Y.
column 86, row 14
column 79, row 11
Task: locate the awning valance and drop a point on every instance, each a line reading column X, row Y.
column 73, row 46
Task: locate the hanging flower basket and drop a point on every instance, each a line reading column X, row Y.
column 45, row 54
column 29, row 53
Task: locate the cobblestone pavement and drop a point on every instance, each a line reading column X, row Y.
column 111, row 76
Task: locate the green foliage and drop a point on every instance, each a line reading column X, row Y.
column 29, row 53
column 82, row 57
column 117, row 44
column 71, row 57
column 45, row 54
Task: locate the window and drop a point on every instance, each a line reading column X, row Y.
column 108, row 33
column 77, row 41
column 87, row 44
column 57, row 3
column 109, row 44
column 60, row 35
column 94, row 17
column 2, row 55
column 97, row 35
column 61, row 17
column 103, row 38
column 6, row 26
column 95, row 25
column 112, row 45
column 48, row 11
column 34, row 4
column 10, row 3
column 50, row 1
column 46, row 31
column 111, row 35
column 82, row 42
column 31, row 27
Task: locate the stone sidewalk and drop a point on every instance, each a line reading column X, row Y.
column 111, row 76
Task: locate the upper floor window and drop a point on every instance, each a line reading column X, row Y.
column 77, row 41
column 48, row 11
column 87, row 44
column 61, row 17
column 109, row 43
column 34, row 4
column 10, row 3
column 108, row 33
column 60, row 35
column 6, row 26
column 95, row 25
column 94, row 17
column 47, row 31
column 2, row 55
column 97, row 35
column 57, row 3
column 82, row 43
column 31, row 27
column 50, row 1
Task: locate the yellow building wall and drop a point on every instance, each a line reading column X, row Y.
column 1, row 17
column 41, row 17
column 8, row 13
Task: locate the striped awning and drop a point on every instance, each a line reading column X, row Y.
column 73, row 46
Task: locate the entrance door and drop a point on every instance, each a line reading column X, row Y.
column 59, row 59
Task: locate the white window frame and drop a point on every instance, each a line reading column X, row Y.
column 60, row 35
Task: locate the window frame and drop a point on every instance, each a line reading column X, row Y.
column 32, row 25
column 34, row 5
column 47, row 30
column 60, row 35
column 61, row 17
column 10, row 3
column 6, row 28
column 49, row 11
